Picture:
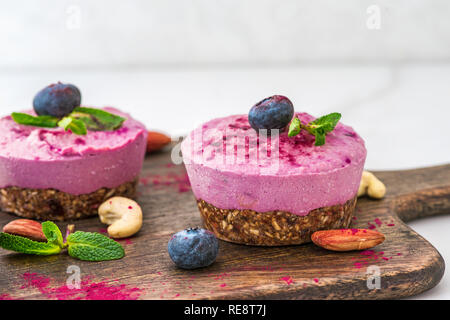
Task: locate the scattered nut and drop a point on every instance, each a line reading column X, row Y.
column 347, row 239
column 26, row 228
column 123, row 215
column 156, row 141
column 371, row 186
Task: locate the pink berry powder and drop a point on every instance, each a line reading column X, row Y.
column 89, row 290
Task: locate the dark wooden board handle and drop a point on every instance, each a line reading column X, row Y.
column 422, row 192
column 422, row 204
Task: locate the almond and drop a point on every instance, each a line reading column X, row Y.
column 26, row 228
column 156, row 141
column 347, row 239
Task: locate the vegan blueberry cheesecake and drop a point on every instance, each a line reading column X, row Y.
column 60, row 161
column 274, row 176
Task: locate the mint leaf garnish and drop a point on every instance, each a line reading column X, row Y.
column 52, row 233
column 320, row 139
column 89, row 246
column 92, row 246
column 325, row 123
column 97, row 120
column 294, row 127
column 76, row 126
column 25, row 245
column 37, row 121
column 318, row 128
column 79, row 121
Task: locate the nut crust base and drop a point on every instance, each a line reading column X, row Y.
column 273, row 228
column 51, row 204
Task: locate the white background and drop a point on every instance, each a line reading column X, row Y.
column 174, row 64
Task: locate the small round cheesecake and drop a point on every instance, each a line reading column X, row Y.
column 49, row 173
column 272, row 189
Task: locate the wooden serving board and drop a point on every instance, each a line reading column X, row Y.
column 407, row 263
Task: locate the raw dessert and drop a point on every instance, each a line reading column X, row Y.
column 279, row 190
column 60, row 166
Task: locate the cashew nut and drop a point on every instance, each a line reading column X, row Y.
column 371, row 186
column 123, row 215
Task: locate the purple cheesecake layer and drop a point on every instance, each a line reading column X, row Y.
column 226, row 166
column 43, row 158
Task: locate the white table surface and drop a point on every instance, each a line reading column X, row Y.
column 402, row 111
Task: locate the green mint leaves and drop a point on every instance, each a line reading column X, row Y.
column 93, row 247
column 39, row 121
column 76, row 126
column 78, row 122
column 97, row 119
column 52, row 233
column 326, row 123
column 294, row 127
column 25, row 245
column 318, row 128
column 88, row 246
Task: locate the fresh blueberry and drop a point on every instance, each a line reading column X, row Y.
column 274, row 112
column 193, row 248
column 57, row 100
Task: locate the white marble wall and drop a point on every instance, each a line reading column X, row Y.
column 111, row 33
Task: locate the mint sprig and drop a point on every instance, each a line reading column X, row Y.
column 318, row 128
column 25, row 245
column 92, row 246
column 78, row 122
column 97, row 120
column 52, row 233
column 76, row 126
column 88, row 246
column 39, row 121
